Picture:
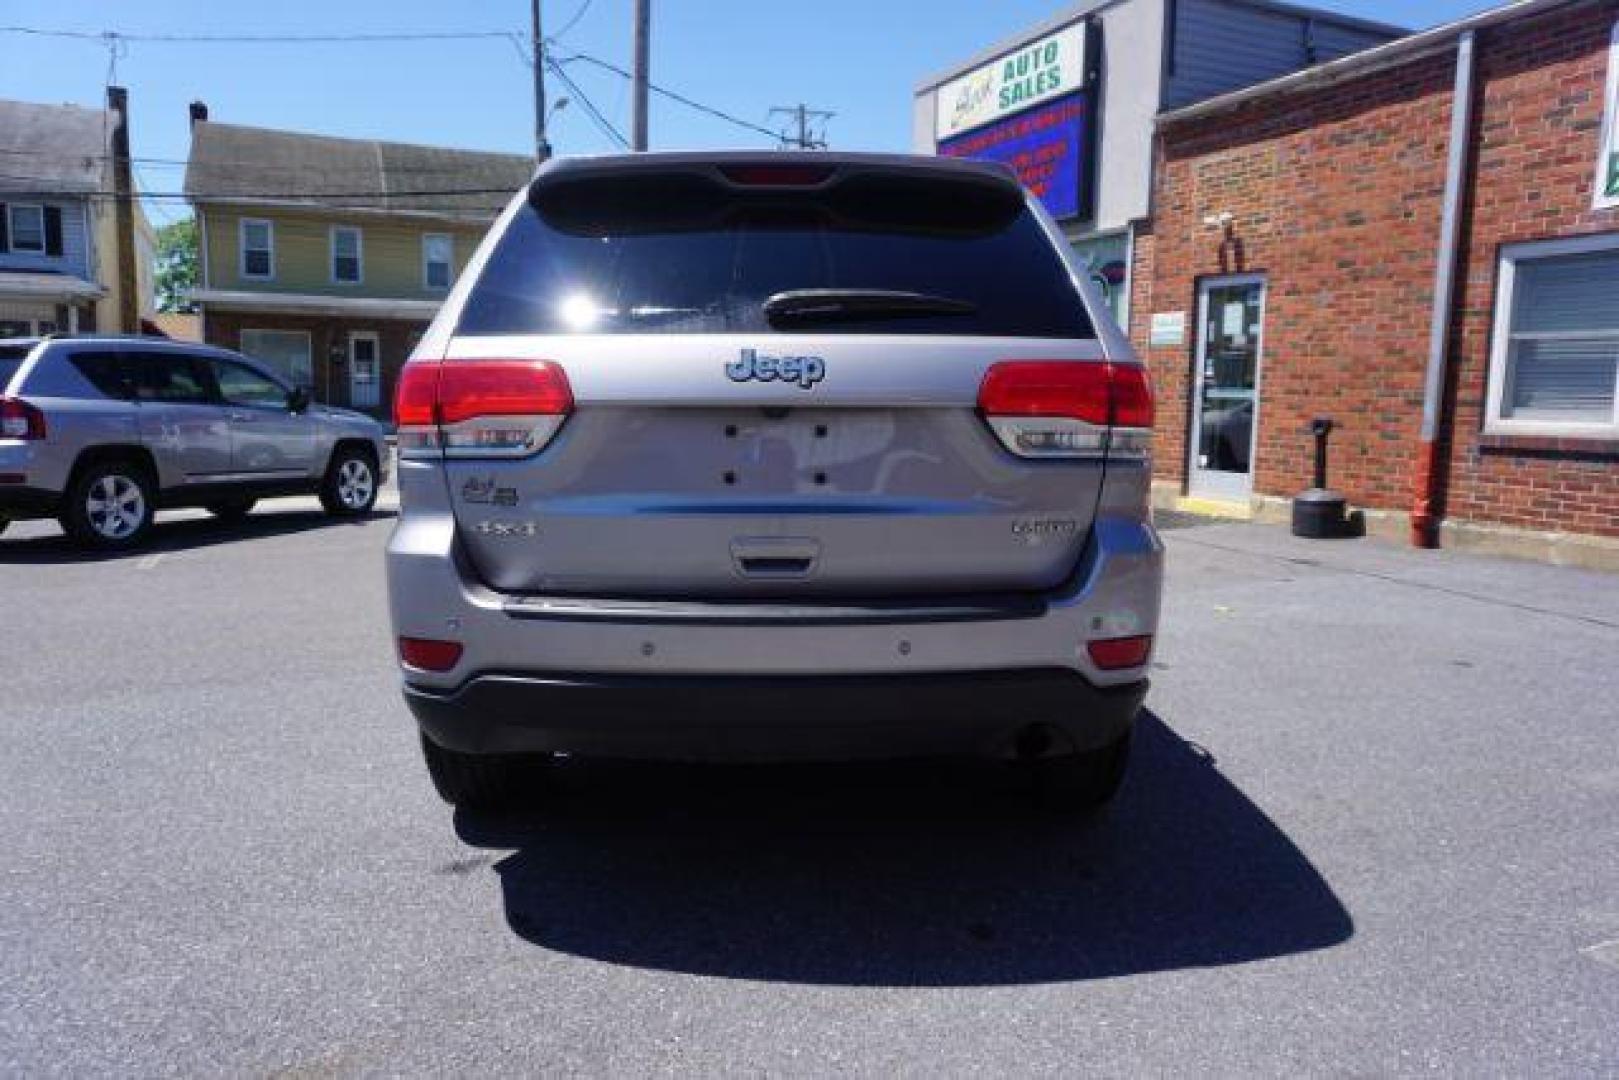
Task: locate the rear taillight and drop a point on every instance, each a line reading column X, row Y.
column 1118, row 654
column 20, row 420
column 1067, row 408
column 480, row 408
column 426, row 654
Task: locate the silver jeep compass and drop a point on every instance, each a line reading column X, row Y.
column 742, row 457
column 102, row 432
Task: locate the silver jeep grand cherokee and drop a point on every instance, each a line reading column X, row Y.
column 102, row 432
column 793, row 456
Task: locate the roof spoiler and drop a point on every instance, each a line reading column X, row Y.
column 674, row 192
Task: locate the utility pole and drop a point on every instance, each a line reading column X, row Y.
column 123, row 186
column 642, row 78
column 804, row 117
column 542, row 145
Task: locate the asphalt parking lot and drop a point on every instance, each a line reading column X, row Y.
column 1370, row 828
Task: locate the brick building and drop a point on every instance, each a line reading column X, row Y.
column 1421, row 241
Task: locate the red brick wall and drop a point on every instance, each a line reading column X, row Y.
column 1336, row 196
column 396, row 338
column 1535, row 150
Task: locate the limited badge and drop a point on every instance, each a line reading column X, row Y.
column 1036, row 530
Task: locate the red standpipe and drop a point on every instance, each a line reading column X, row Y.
column 1425, row 496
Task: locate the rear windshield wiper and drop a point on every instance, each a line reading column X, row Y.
column 857, row 305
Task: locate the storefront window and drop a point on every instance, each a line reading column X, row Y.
column 1555, row 358
column 1107, row 259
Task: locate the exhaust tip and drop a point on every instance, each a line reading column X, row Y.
column 1037, row 740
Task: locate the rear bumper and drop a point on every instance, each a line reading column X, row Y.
column 18, row 501
column 827, row 717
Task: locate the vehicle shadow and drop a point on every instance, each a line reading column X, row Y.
column 184, row 535
column 907, row 875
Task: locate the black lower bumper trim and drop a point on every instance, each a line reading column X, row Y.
column 18, row 502
column 830, row 717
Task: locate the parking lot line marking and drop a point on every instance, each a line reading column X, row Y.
column 1481, row 598
column 149, row 563
column 1605, row 953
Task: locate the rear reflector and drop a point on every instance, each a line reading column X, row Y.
column 20, row 420
column 1115, row 654
column 480, row 408
column 1065, row 408
column 425, row 654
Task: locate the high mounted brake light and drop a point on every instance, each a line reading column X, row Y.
column 767, row 174
column 1067, row 408
column 480, row 408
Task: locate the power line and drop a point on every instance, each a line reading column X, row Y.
column 104, row 36
column 571, row 23
column 718, row 114
column 115, row 40
column 391, row 194
column 806, row 117
column 594, row 113
column 261, row 164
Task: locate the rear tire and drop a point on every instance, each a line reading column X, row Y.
column 1081, row 783
column 485, row 781
column 108, row 506
column 234, row 510
column 350, row 487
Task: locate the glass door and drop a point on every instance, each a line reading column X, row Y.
column 1231, row 314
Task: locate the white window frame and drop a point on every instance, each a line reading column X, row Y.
column 11, row 228
column 428, row 238
column 1501, row 342
column 359, row 254
column 1608, row 137
column 242, row 226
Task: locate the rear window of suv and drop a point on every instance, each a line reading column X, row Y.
column 678, row 255
column 11, row 358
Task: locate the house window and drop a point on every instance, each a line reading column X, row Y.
column 285, row 352
column 438, row 253
column 258, row 249
column 1554, row 364
column 345, row 255
column 27, row 227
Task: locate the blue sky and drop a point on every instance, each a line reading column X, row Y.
column 859, row 58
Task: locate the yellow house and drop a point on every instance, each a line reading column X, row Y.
column 326, row 258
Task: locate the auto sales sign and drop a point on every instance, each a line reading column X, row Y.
column 1044, row 146
column 1038, row 72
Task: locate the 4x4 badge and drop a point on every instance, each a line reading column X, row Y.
column 503, row 529
column 806, row 371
